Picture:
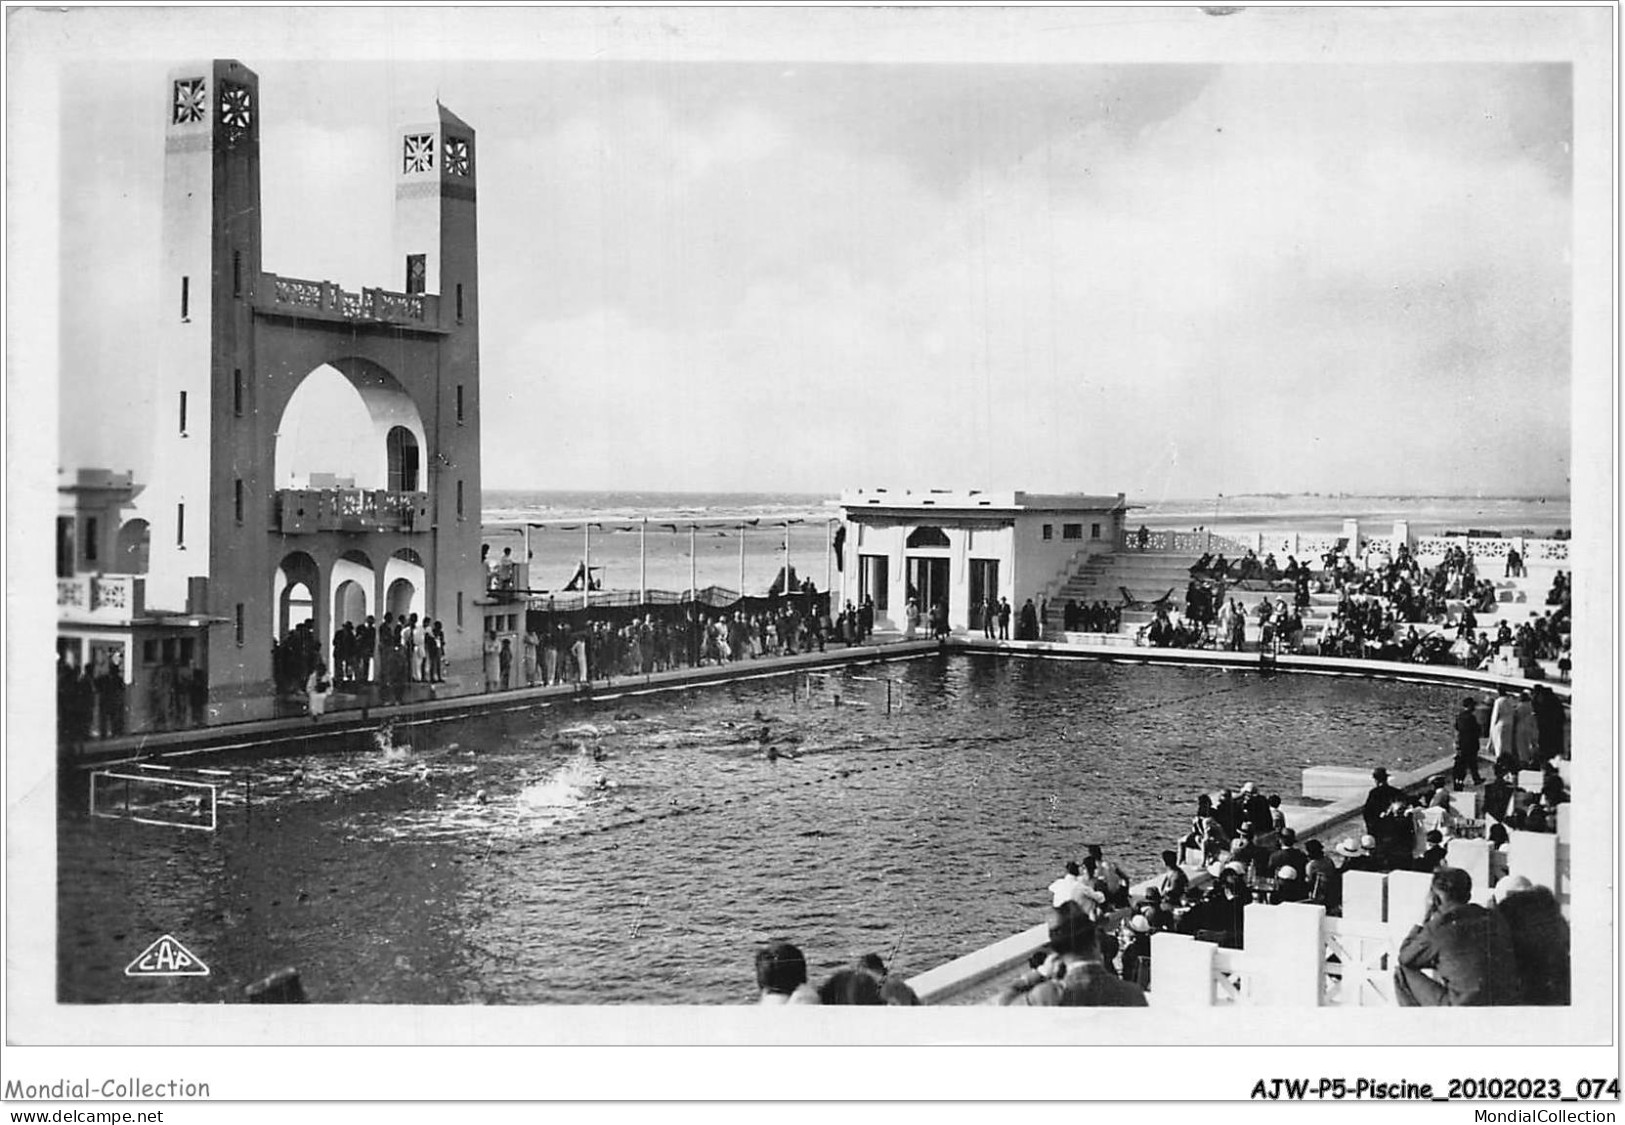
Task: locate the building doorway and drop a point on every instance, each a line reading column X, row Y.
column 984, row 583
column 873, row 573
column 928, row 581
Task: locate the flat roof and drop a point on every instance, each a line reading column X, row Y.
column 977, row 500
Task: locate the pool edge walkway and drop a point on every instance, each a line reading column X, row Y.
column 258, row 733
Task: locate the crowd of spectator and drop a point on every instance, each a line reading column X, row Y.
column 1389, row 607
column 90, row 698
column 1242, row 851
column 1091, row 617
column 577, row 650
column 392, row 653
column 781, row 978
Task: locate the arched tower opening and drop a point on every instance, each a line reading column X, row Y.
column 131, row 550
column 350, row 424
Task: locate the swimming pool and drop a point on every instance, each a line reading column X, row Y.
column 497, row 860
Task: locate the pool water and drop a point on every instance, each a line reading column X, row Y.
column 638, row 850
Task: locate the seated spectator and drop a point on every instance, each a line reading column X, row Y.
column 1134, row 958
column 1355, row 855
column 1158, row 910
column 851, row 986
column 1288, row 854
column 1540, row 939
column 1075, row 975
column 1289, row 885
column 781, row 975
column 1324, row 881
column 1468, row 949
column 1113, row 876
column 1248, row 854
column 1432, row 859
column 1173, row 880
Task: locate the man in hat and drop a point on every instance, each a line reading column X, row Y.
column 1256, row 808
column 1355, row 855
column 1467, row 735
column 1075, row 975
column 1288, row 854
column 1381, row 798
column 1468, row 949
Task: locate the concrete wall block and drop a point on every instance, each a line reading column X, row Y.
column 1407, row 897
column 1473, row 857
column 1285, row 954
column 1181, row 971
column 1534, row 856
column 1335, row 783
column 1365, row 896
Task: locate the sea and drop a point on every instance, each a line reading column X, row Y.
column 738, row 540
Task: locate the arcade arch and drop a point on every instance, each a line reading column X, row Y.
column 293, row 593
column 353, row 584
column 404, row 584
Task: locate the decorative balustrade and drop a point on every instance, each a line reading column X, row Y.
column 1181, row 543
column 368, row 304
column 73, row 593
column 1427, row 549
column 1550, row 552
column 99, row 597
column 309, row 511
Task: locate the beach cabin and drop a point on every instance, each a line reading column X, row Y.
column 960, row 547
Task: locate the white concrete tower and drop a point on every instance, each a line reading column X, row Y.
column 209, row 260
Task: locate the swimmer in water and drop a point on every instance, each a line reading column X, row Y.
column 479, row 797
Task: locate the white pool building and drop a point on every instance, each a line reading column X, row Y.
column 959, row 547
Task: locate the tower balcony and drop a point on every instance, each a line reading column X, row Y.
column 327, row 300
column 103, row 598
column 308, row 511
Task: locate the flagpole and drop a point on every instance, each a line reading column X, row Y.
column 692, row 586
column 787, row 558
column 586, row 565
column 741, row 560
column 643, row 561
column 527, row 554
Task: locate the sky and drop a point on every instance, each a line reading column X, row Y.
column 1169, row 278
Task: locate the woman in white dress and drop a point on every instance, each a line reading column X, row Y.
column 317, row 688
